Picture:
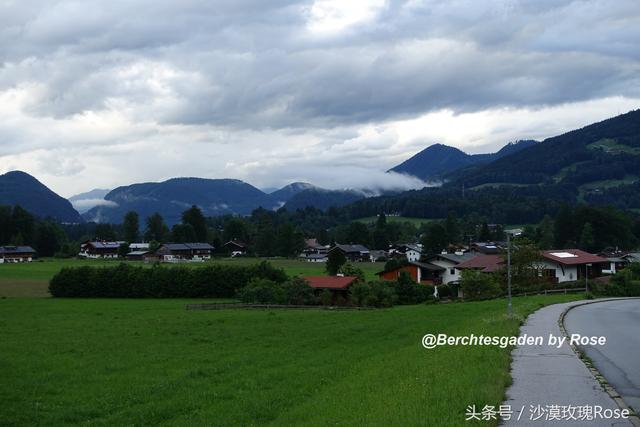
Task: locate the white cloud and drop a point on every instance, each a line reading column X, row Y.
column 331, row 92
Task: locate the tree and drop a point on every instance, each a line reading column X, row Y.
column 434, row 239
column 335, row 260
column 477, row 285
column 131, row 226
column 380, row 240
column 156, row 228
column 23, row 225
column 485, row 234
column 357, row 232
column 123, row 250
column 48, row 239
column 381, row 222
column 587, row 240
column 526, row 264
column 105, row 232
column 288, row 241
column 563, row 227
column 545, row 231
column 265, row 243
column 235, row 229
column 183, row 233
column 453, row 229
column 193, row 217
column 351, row 270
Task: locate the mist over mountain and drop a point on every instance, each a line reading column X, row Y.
column 85, row 201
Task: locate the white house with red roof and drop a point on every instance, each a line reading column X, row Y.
column 567, row 265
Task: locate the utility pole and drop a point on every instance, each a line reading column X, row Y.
column 586, row 277
column 509, row 306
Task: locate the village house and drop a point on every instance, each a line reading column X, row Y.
column 567, row 265
column 235, row 248
column 353, row 253
column 420, row 272
column 314, row 251
column 139, row 255
column 99, row 249
column 337, row 285
column 412, row 252
column 449, row 262
column 486, row 248
column 138, row 246
column 176, row 252
column 12, row 254
column 379, row 255
column 632, row 257
column 483, row 263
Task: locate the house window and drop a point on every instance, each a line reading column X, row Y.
column 452, row 271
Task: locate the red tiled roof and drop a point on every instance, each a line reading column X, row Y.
column 484, row 263
column 572, row 257
column 330, row 282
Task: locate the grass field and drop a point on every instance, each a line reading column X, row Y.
column 32, row 279
column 135, row 362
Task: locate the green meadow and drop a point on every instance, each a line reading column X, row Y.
column 144, row 362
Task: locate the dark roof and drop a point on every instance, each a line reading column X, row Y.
column 16, row 250
column 351, row 248
column 572, row 257
column 236, row 243
column 98, row 244
column 428, row 266
column 425, row 265
column 330, row 282
column 313, row 244
column 484, row 263
column 199, row 246
column 456, row 259
column 187, row 246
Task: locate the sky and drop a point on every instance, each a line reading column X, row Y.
column 97, row 94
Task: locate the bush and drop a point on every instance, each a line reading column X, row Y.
column 263, row 291
column 298, row 292
column 127, row 281
column 410, row 292
column 444, row 291
column 625, row 283
column 372, row 294
column 351, row 270
column 326, row 297
column 477, row 285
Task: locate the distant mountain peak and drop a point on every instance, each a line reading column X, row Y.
column 438, row 160
column 20, row 188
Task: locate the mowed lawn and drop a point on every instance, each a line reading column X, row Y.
column 142, row 362
column 32, row 279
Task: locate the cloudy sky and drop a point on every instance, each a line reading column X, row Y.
column 101, row 94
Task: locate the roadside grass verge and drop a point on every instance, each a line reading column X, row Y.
column 117, row 362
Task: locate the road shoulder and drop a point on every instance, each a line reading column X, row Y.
column 550, row 375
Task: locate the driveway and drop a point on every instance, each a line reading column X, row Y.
column 619, row 360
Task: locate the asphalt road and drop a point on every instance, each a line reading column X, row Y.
column 619, row 359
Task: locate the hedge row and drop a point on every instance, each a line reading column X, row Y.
column 127, row 281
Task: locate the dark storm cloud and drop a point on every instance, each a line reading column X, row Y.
column 256, row 64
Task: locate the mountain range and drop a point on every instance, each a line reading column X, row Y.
column 435, row 162
column 214, row 196
column 599, row 163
